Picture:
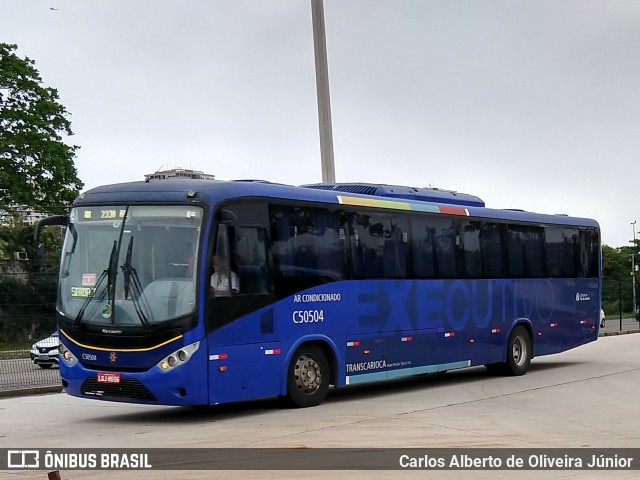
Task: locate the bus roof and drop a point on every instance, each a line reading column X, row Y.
column 435, row 195
column 356, row 194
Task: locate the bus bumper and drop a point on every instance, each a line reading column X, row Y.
column 181, row 386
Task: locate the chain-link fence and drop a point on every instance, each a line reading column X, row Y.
column 28, row 351
column 617, row 298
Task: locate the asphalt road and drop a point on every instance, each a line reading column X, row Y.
column 588, row 397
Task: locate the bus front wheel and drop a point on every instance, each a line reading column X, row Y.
column 308, row 377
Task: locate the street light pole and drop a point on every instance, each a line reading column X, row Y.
column 633, row 268
column 322, row 91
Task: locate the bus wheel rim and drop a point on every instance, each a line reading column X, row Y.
column 519, row 351
column 308, row 375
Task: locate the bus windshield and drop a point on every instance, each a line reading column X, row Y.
column 129, row 265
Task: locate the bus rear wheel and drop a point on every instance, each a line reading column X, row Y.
column 519, row 354
column 308, row 377
column 519, row 351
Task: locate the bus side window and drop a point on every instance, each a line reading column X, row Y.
column 250, row 258
column 589, row 246
column 560, row 243
column 379, row 246
column 491, row 242
column 516, row 251
column 472, row 250
column 525, row 251
column 446, row 241
column 422, row 248
column 308, row 248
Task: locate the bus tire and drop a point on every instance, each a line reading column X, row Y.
column 519, row 354
column 308, row 377
column 519, row 351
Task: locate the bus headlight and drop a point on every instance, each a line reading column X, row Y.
column 66, row 355
column 178, row 357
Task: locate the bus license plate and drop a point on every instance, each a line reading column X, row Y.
column 107, row 377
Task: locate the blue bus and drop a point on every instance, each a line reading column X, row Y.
column 331, row 284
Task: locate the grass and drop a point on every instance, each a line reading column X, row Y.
column 15, row 346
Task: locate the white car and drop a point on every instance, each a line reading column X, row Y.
column 601, row 318
column 45, row 352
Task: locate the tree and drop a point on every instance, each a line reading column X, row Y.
column 617, row 286
column 36, row 167
column 614, row 263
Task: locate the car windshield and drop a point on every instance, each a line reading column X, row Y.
column 129, row 265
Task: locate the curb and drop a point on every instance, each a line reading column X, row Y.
column 22, row 392
column 621, row 332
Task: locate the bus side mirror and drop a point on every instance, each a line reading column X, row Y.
column 62, row 220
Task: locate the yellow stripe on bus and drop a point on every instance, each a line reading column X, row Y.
column 121, row 349
column 366, row 202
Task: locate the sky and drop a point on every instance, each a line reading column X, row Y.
column 527, row 104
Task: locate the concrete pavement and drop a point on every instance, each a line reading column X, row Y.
column 559, row 403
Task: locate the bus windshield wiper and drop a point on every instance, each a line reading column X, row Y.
column 131, row 279
column 127, row 269
column 106, row 273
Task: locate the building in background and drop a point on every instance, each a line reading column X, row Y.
column 178, row 173
column 12, row 249
column 22, row 213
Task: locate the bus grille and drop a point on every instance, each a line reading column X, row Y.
column 127, row 389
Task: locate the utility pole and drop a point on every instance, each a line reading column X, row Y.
column 633, row 269
column 322, row 90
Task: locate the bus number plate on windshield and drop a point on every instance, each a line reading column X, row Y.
column 106, row 377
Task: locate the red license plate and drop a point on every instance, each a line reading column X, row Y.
column 107, row 377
